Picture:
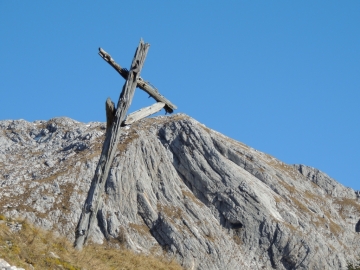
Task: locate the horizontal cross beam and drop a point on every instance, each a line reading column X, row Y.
column 143, row 85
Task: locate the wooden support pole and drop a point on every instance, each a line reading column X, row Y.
column 142, row 113
column 94, row 198
column 143, row 85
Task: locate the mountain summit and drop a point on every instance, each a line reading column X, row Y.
column 178, row 187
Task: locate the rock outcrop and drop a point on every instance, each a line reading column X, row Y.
column 181, row 188
column 4, row 265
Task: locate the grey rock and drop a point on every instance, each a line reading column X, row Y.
column 329, row 185
column 181, row 188
column 49, row 163
column 4, row 265
column 52, row 127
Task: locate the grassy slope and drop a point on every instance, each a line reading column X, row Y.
column 44, row 250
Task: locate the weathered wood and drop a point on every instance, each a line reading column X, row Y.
column 107, row 57
column 144, row 112
column 94, row 198
column 110, row 113
column 143, row 85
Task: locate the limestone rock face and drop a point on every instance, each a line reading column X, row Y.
column 180, row 188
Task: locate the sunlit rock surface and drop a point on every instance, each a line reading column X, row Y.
column 181, row 188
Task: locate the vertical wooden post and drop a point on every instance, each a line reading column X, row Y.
column 93, row 200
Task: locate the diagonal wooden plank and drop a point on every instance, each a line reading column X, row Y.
column 142, row 113
column 93, row 200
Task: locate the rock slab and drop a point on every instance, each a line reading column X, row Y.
column 179, row 188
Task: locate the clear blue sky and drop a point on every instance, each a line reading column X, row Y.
column 280, row 76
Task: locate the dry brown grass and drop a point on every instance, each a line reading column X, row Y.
column 174, row 117
column 300, row 206
column 52, row 175
column 170, row 211
column 288, row 187
column 278, row 199
column 32, row 245
column 123, row 145
column 334, row 228
column 310, row 196
column 145, row 123
column 313, row 184
column 209, row 237
column 140, row 228
column 346, row 205
column 62, row 202
column 319, row 222
column 237, row 239
column 329, row 223
column 190, row 195
column 208, row 130
column 291, row 227
column 285, row 168
column 281, row 166
column 88, row 154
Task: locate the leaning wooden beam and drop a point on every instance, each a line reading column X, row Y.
column 94, row 198
column 143, row 85
column 144, row 112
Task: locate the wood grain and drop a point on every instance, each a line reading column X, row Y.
column 142, row 84
column 94, row 199
column 144, row 112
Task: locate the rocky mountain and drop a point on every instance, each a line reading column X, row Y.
column 180, row 188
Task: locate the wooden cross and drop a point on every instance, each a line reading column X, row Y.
column 143, row 85
column 115, row 120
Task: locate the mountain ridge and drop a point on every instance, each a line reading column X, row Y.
column 178, row 186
